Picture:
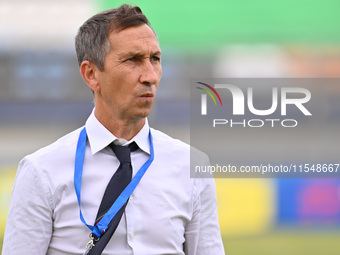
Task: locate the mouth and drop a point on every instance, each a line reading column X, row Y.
column 147, row 95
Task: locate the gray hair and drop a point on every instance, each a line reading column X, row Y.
column 92, row 41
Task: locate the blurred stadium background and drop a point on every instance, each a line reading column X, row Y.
column 42, row 97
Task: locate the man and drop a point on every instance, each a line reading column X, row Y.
column 57, row 193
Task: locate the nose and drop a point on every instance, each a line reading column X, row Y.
column 150, row 73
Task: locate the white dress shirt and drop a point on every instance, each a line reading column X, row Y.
column 168, row 212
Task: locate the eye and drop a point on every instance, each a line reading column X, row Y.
column 155, row 58
column 132, row 59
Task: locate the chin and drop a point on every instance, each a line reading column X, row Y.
column 143, row 114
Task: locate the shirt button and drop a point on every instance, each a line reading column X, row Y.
column 133, row 235
column 131, row 197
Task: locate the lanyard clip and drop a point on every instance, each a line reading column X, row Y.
column 90, row 243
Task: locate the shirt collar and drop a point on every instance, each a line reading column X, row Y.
column 99, row 137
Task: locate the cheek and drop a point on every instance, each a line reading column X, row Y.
column 158, row 71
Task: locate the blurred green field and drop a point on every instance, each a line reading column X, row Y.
column 284, row 242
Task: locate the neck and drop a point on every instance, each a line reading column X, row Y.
column 125, row 129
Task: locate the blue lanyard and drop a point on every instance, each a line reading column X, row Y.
column 102, row 225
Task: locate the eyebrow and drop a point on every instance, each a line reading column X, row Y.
column 139, row 54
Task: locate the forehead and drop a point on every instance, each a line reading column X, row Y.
column 140, row 38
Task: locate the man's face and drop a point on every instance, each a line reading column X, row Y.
column 132, row 71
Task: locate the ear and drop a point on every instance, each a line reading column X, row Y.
column 89, row 71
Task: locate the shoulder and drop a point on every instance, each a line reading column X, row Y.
column 50, row 167
column 61, row 149
column 162, row 139
column 171, row 145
